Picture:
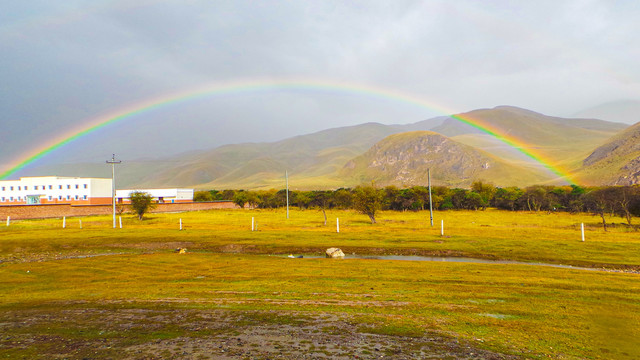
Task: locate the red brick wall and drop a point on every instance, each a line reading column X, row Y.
column 18, row 212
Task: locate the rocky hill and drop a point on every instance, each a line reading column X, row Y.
column 617, row 162
column 403, row 160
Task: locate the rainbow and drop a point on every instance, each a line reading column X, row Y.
column 240, row 87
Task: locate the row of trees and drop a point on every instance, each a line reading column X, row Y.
column 603, row 201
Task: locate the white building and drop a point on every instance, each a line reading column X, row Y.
column 55, row 190
column 158, row 195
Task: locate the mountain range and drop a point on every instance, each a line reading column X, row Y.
column 456, row 152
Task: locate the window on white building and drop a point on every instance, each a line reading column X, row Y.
column 19, row 188
column 3, row 199
column 85, row 197
column 59, row 186
column 11, row 187
column 59, row 197
column 26, row 188
column 50, row 197
column 85, row 186
column 35, row 187
column 68, row 186
column 68, row 197
column 3, row 188
column 50, row 187
column 77, row 186
column 11, row 198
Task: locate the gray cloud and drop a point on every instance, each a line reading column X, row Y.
column 66, row 62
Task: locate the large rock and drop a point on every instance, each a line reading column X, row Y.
column 334, row 253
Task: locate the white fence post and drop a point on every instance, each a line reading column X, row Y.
column 253, row 227
column 80, row 223
column 120, row 222
column 582, row 227
column 441, row 227
column 8, row 220
column 181, row 224
column 337, row 224
column 64, row 222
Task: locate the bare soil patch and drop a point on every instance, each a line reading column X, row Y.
column 142, row 333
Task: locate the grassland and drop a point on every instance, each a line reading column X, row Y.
column 234, row 295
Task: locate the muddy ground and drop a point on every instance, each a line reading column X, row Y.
column 139, row 333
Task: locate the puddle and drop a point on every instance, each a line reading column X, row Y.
column 450, row 259
column 498, row 316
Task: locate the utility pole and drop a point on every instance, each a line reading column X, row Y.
column 430, row 203
column 113, row 163
column 286, row 175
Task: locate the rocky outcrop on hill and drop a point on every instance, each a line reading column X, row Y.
column 631, row 173
column 617, row 162
column 403, row 159
column 625, row 142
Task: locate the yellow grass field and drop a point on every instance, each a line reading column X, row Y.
column 99, row 292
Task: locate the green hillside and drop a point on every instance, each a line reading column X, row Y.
column 315, row 156
column 617, row 162
column 565, row 141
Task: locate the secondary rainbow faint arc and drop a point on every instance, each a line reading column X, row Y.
column 274, row 85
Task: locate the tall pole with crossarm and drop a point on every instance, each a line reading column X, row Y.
column 113, row 163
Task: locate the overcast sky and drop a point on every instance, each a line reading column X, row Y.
column 65, row 63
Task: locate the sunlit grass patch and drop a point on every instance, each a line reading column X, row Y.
column 135, row 276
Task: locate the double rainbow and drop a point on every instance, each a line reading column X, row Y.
column 240, row 87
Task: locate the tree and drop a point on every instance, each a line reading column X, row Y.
column 474, row 201
column 392, row 198
column 486, row 192
column 421, row 197
column 141, row 202
column 440, row 197
column 342, row 199
column 320, row 199
column 599, row 201
column 457, row 198
column 623, row 198
column 505, row 198
column 226, row 194
column 536, row 197
column 199, row 196
column 240, row 198
column 367, row 200
column 253, row 199
column 576, row 203
column 303, row 199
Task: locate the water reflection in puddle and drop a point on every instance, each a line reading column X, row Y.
column 450, row 259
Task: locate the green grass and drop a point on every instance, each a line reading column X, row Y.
column 516, row 309
column 553, row 238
